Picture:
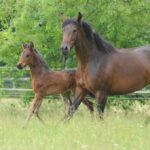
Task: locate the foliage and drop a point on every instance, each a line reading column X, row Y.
column 125, row 23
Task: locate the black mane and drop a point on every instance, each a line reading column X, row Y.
column 102, row 45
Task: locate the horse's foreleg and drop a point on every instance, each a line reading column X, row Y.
column 79, row 95
column 101, row 102
column 89, row 105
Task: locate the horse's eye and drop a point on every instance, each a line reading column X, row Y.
column 27, row 55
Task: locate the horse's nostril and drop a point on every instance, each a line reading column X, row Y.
column 64, row 48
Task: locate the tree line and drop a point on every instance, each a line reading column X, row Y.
column 125, row 23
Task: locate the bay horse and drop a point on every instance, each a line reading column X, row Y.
column 102, row 69
column 47, row 82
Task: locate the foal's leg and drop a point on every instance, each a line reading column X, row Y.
column 101, row 102
column 36, row 112
column 89, row 105
column 79, row 95
column 67, row 102
column 33, row 107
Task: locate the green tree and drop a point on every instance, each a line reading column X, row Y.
column 124, row 23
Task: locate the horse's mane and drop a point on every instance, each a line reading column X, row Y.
column 102, row 45
column 40, row 59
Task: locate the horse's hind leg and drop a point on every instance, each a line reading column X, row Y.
column 101, row 102
column 89, row 105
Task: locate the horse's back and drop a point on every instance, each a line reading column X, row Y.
column 129, row 71
column 141, row 48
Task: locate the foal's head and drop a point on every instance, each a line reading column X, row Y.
column 27, row 56
column 70, row 29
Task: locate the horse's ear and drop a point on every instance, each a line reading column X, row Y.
column 79, row 17
column 63, row 17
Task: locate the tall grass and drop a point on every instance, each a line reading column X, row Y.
column 120, row 130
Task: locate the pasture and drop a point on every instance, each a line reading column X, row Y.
column 126, row 124
column 120, row 130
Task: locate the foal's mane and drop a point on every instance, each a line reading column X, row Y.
column 102, row 45
column 40, row 59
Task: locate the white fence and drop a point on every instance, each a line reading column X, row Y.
column 15, row 90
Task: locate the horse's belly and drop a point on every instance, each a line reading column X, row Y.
column 127, row 86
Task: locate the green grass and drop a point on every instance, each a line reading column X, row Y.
column 120, row 130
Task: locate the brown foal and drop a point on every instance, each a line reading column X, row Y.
column 46, row 82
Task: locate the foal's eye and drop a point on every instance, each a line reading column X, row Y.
column 27, row 55
column 75, row 30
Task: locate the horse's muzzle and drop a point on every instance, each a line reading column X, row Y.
column 65, row 49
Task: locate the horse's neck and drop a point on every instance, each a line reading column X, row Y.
column 85, row 52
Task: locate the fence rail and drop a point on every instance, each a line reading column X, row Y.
column 15, row 89
column 19, row 92
column 29, row 90
column 10, row 85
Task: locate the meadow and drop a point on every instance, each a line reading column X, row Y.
column 126, row 124
column 120, row 130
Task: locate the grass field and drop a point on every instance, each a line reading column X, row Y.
column 120, row 130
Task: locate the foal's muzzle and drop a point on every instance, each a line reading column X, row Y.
column 20, row 66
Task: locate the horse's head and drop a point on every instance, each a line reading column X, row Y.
column 26, row 56
column 70, row 30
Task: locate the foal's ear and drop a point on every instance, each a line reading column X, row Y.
column 63, row 17
column 79, row 17
column 24, row 45
column 31, row 45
